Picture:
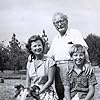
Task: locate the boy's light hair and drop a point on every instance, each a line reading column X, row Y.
column 76, row 48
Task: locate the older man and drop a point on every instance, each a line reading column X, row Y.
column 60, row 48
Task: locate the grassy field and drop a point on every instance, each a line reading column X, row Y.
column 10, row 79
column 7, row 88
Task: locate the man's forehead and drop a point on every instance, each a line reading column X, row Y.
column 58, row 17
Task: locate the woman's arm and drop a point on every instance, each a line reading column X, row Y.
column 67, row 93
column 28, row 80
column 90, row 93
column 51, row 76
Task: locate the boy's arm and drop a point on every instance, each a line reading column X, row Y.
column 67, row 93
column 90, row 93
column 92, row 82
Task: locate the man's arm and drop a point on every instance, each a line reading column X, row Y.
column 51, row 50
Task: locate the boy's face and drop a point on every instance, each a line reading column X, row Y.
column 78, row 58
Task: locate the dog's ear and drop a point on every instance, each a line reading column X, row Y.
column 17, row 86
column 21, row 86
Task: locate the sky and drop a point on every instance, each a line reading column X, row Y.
column 28, row 17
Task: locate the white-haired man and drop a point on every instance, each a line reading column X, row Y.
column 60, row 48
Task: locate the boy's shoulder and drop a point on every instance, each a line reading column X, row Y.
column 88, row 66
column 71, row 66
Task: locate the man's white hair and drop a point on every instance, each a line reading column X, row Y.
column 59, row 14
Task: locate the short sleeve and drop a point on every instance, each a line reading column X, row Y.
column 66, row 80
column 78, row 38
column 50, row 62
column 51, row 52
column 92, row 79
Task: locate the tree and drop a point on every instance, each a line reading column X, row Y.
column 4, row 52
column 14, row 51
column 45, row 39
column 93, row 43
column 1, row 58
column 17, row 55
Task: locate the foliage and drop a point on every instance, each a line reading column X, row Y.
column 17, row 54
column 93, row 42
column 45, row 39
column 4, row 52
column 14, row 57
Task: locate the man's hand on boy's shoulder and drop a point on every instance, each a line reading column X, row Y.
column 89, row 69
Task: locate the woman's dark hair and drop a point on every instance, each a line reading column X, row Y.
column 33, row 39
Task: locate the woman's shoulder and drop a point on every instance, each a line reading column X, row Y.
column 49, row 60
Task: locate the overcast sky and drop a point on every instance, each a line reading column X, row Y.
column 27, row 17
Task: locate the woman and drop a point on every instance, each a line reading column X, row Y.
column 40, row 70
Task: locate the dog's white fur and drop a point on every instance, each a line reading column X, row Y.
column 21, row 96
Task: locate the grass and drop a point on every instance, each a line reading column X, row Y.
column 10, row 79
column 7, row 88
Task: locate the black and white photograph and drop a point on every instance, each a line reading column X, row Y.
column 49, row 50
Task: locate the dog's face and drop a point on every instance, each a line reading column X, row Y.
column 18, row 89
column 31, row 95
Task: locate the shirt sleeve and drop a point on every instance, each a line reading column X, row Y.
column 78, row 38
column 50, row 61
column 92, row 79
column 51, row 50
column 66, row 80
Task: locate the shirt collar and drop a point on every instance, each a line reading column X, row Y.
column 72, row 68
column 66, row 34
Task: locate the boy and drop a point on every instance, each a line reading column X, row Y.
column 77, row 84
